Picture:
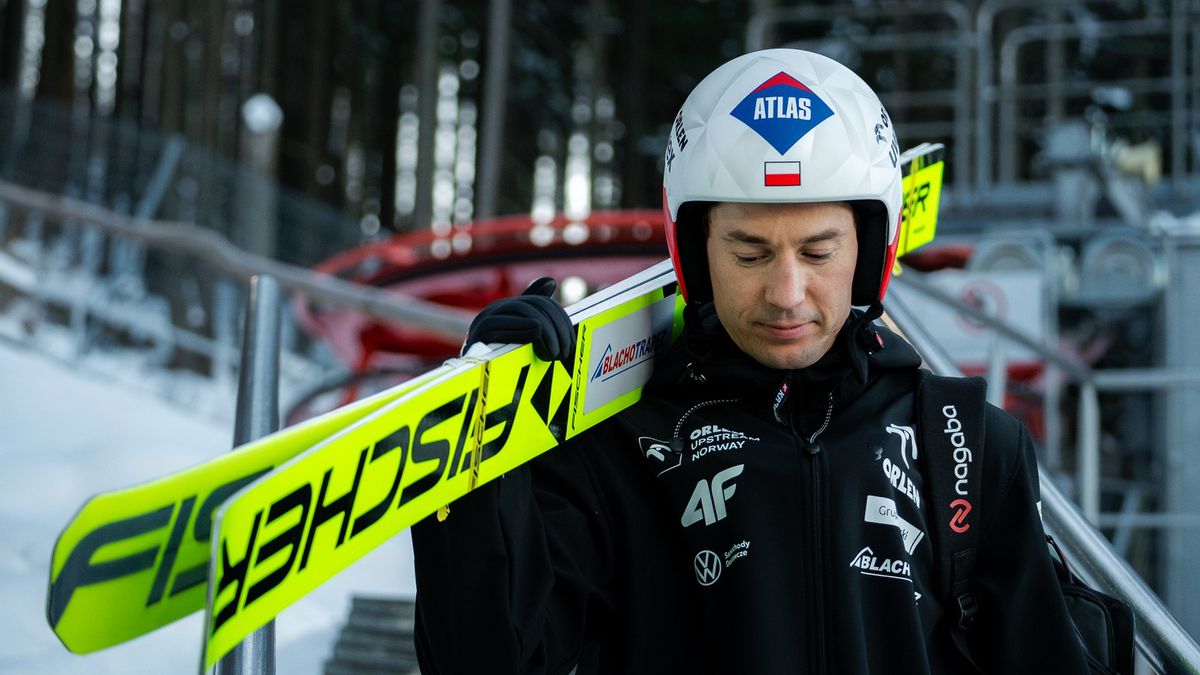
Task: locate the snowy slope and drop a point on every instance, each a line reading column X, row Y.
column 66, row 436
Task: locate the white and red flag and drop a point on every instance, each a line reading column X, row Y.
column 781, row 173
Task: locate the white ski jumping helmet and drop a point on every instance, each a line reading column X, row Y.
column 779, row 126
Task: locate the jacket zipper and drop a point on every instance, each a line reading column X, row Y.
column 676, row 439
column 813, row 449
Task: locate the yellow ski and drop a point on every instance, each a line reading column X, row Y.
column 136, row 559
column 295, row 528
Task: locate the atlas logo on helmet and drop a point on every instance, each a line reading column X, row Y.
column 782, row 111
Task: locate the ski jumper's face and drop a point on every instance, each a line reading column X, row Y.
column 781, row 277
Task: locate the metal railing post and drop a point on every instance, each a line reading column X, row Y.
column 1008, row 123
column 495, row 106
column 1161, row 640
column 1166, row 646
column 257, row 416
column 1088, row 469
column 997, row 371
column 216, row 251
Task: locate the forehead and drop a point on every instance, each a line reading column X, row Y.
column 780, row 219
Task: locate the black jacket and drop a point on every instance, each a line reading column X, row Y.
column 739, row 519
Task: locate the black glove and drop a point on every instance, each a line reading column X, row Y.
column 532, row 316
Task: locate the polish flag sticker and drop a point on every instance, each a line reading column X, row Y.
column 781, row 173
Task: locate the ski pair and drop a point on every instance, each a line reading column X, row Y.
column 283, row 514
column 136, row 559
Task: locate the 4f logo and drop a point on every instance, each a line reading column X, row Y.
column 708, row 499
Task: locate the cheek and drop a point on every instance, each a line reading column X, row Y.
column 837, row 287
column 742, row 285
column 733, row 290
column 722, row 271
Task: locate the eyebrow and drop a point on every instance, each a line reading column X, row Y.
column 747, row 238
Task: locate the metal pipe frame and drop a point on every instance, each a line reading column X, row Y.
column 1194, row 122
column 761, row 22
column 1144, row 379
column 1160, row 521
column 1087, row 469
column 1160, row 639
column 917, row 282
column 1009, row 51
column 1165, row 645
column 215, row 250
column 1136, row 85
column 935, row 356
column 985, row 91
column 1089, row 382
column 429, row 23
column 495, row 106
column 971, row 150
column 1178, row 22
column 1088, row 421
column 257, row 416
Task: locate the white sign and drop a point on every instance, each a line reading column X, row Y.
column 1016, row 297
column 882, row 510
column 622, row 352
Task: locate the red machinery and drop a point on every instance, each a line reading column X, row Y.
column 468, row 268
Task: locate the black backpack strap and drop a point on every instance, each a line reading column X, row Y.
column 951, row 413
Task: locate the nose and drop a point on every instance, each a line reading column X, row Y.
column 786, row 283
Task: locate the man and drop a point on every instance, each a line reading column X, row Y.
column 718, row 524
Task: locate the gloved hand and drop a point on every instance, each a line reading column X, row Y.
column 533, row 316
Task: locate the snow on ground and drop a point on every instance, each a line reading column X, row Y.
column 68, row 435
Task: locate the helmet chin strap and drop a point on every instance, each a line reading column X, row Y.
column 873, row 311
column 863, row 331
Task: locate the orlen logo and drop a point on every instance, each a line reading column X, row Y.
column 962, row 469
column 659, row 454
column 616, row 361
column 958, row 522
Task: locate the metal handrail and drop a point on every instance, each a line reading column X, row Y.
column 760, row 23
column 986, row 91
column 257, row 416
column 1009, row 74
column 215, row 250
column 1166, row 646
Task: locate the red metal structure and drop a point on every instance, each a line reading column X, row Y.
column 467, row 268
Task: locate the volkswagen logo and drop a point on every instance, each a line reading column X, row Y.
column 708, row 567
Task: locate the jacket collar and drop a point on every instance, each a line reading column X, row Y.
column 707, row 363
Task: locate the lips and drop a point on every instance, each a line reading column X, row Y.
column 788, row 331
